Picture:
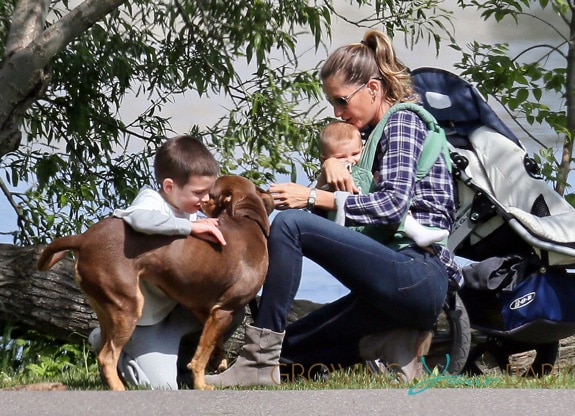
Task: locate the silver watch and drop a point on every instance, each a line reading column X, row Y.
column 311, row 199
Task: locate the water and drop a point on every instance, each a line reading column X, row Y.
column 318, row 285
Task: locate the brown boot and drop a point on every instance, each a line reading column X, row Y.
column 257, row 363
column 399, row 348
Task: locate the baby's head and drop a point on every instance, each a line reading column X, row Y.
column 185, row 171
column 342, row 141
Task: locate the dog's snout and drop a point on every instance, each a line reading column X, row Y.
column 208, row 207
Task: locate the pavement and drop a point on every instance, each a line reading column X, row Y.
column 451, row 401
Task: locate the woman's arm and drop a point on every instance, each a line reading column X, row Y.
column 292, row 195
column 387, row 205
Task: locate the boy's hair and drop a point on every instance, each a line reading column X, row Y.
column 181, row 157
column 336, row 132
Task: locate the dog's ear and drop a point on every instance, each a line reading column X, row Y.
column 262, row 216
column 230, row 200
column 253, row 205
column 267, row 199
column 219, row 202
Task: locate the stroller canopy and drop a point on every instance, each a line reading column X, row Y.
column 457, row 105
column 497, row 165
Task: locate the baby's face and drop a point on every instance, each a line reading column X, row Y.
column 345, row 152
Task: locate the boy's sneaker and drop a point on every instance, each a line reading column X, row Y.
column 95, row 339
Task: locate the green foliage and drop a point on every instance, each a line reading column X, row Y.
column 83, row 156
column 522, row 82
column 32, row 357
column 10, row 351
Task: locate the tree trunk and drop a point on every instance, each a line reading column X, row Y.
column 48, row 302
column 52, row 303
column 567, row 156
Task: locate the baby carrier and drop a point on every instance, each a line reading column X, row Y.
column 516, row 232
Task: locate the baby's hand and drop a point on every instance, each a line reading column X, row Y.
column 207, row 229
column 337, row 175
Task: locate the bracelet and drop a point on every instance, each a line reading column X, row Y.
column 311, row 199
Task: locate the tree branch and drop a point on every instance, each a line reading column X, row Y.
column 28, row 21
column 11, row 200
column 25, row 73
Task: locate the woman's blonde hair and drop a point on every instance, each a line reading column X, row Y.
column 373, row 57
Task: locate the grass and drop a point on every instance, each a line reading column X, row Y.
column 76, row 378
column 38, row 359
column 360, row 377
column 35, row 358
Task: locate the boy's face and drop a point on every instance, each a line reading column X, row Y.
column 189, row 197
column 347, row 151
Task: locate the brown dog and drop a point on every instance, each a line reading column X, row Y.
column 211, row 280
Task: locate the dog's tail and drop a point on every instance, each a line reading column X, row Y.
column 57, row 250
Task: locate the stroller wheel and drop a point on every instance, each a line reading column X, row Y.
column 451, row 338
column 500, row 351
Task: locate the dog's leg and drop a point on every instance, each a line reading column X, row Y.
column 215, row 327
column 218, row 359
column 117, row 325
column 108, row 359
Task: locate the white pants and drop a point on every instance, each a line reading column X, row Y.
column 150, row 358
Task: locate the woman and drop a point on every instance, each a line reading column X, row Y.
column 395, row 296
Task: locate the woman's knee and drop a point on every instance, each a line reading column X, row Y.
column 287, row 219
column 286, row 227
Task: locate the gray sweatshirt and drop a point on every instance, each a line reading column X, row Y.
column 150, row 213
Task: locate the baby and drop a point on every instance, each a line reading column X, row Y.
column 343, row 141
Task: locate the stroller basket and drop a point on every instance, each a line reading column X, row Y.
column 515, row 298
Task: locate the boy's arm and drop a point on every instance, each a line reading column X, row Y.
column 155, row 222
column 147, row 215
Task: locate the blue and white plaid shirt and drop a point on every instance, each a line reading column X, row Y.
column 430, row 200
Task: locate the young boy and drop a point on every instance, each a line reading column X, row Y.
column 185, row 170
column 343, row 141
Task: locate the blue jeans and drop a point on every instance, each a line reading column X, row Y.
column 388, row 289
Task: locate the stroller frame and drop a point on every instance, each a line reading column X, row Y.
column 495, row 216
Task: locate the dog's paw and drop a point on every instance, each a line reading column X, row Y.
column 218, row 365
column 203, row 386
column 223, row 366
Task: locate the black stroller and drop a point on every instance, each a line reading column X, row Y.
column 517, row 233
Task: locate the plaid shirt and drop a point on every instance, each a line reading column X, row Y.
column 430, row 200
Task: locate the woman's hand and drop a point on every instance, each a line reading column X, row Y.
column 289, row 195
column 337, row 176
column 207, row 229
